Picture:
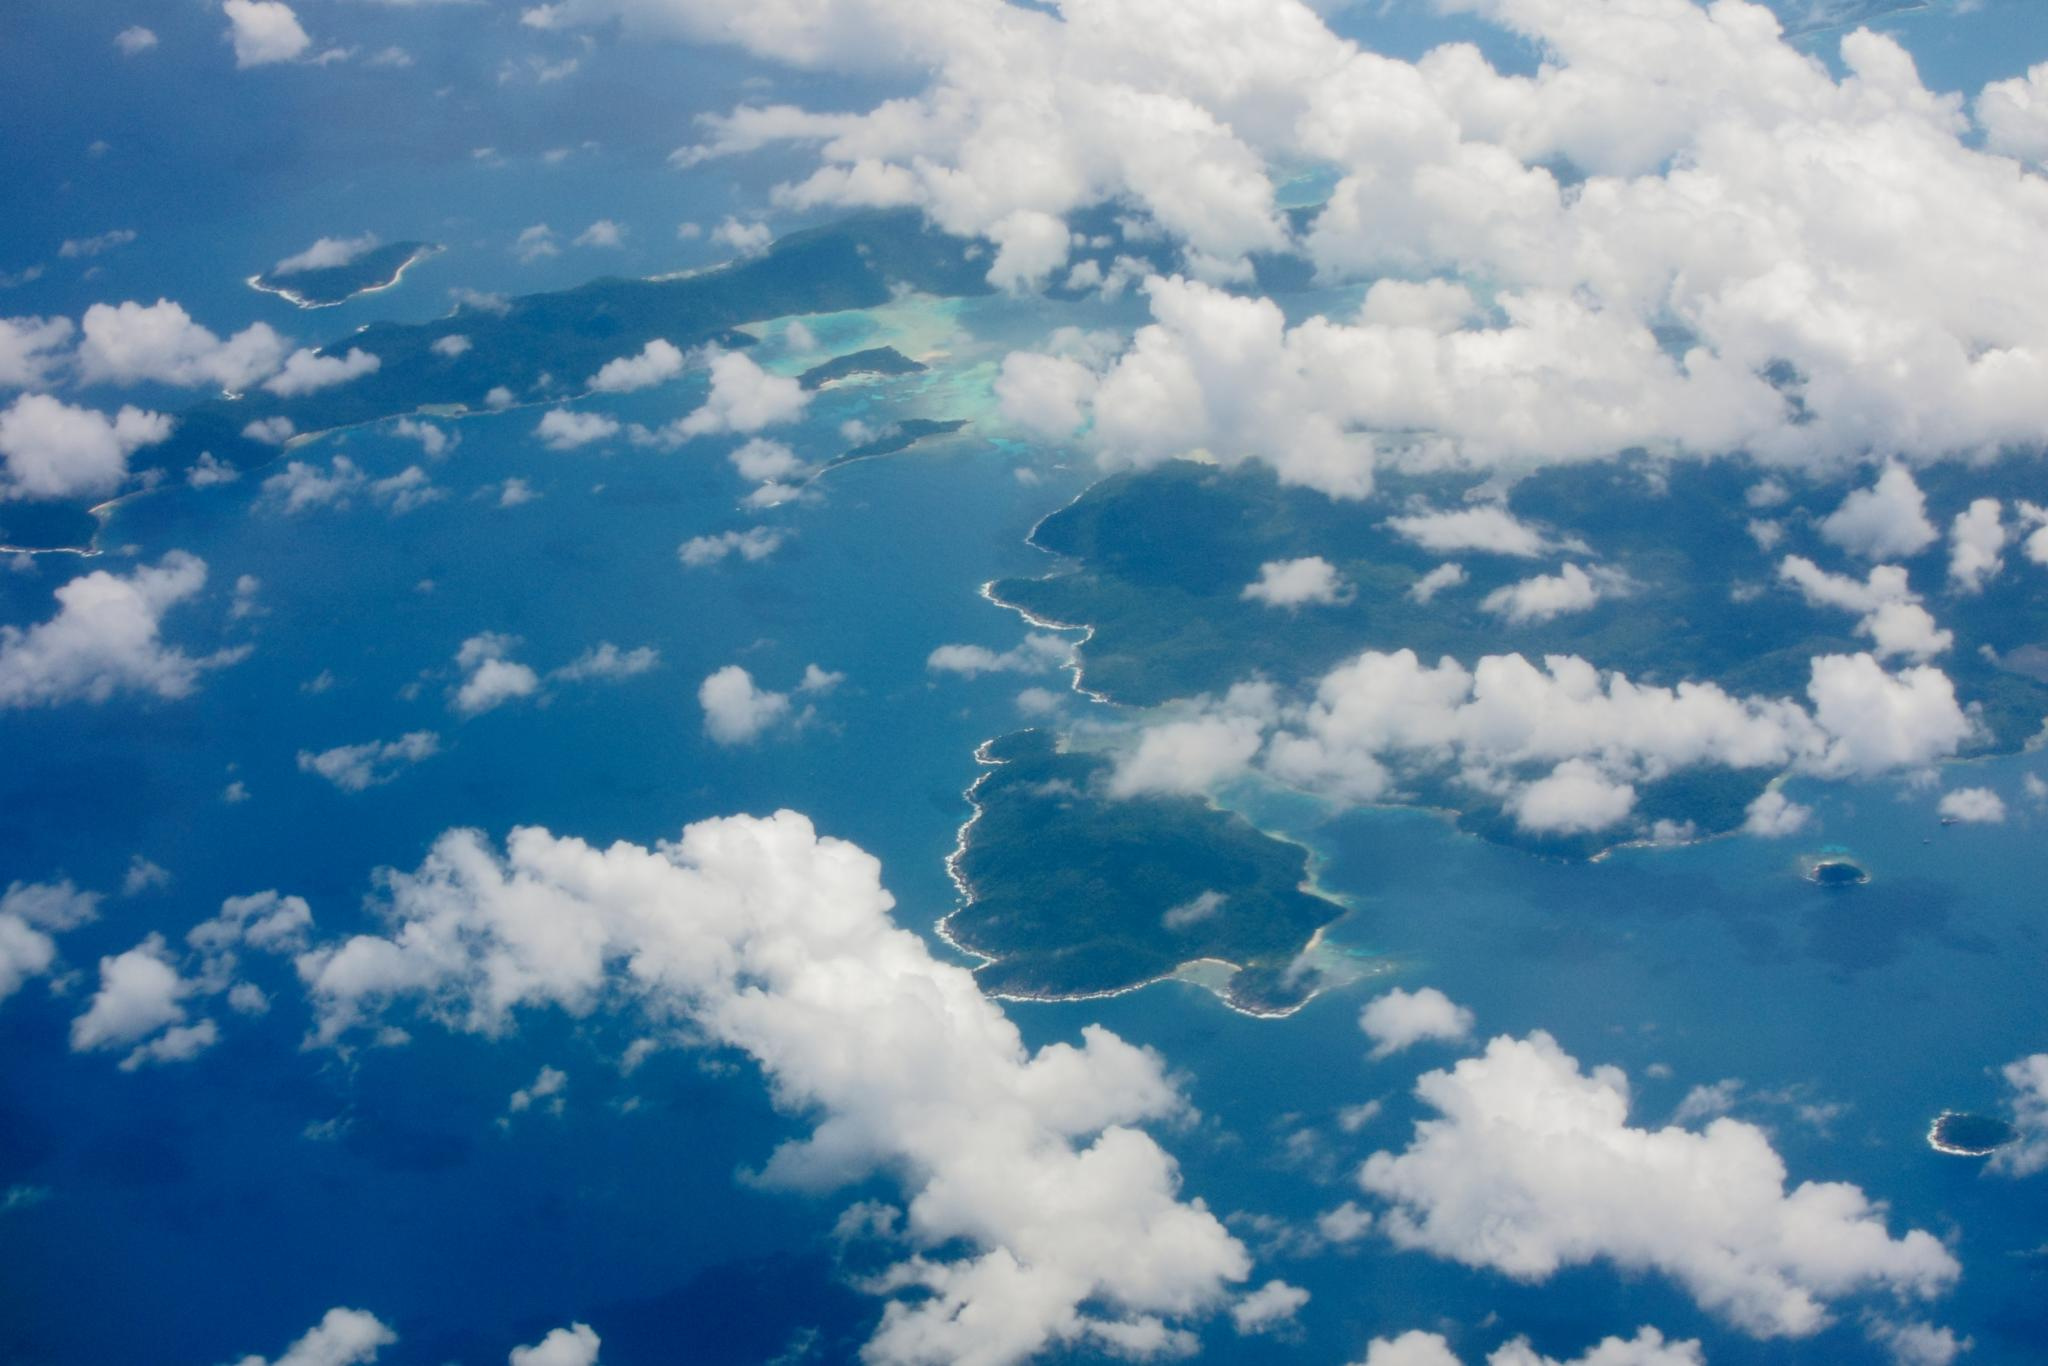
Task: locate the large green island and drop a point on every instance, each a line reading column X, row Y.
column 1071, row 893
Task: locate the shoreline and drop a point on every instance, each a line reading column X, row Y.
column 298, row 300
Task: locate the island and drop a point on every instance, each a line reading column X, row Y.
column 901, row 436
column 1964, row 1135
column 325, row 286
column 1070, row 893
column 877, row 360
column 1836, row 872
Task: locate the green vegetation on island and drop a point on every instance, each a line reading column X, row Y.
column 323, row 286
column 1157, row 563
column 1961, row 1135
column 878, row 360
column 901, row 436
column 1073, row 893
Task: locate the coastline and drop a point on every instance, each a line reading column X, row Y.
column 298, row 300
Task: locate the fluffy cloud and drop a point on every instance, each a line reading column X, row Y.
column 1040, row 652
column 743, row 398
column 306, row 371
column 575, row 1345
column 30, row 913
column 2014, row 114
column 755, row 543
column 1036, row 1213
column 1647, row 1348
column 1273, row 1304
column 606, row 661
column 31, row 349
column 1972, row 805
column 2029, row 1153
column 301, row 485
column 1297, row 583
column 1891, row 612
column 1773, row 815
column 106, row 638
column 141, row 994
column 1489, row 527
column 658, row 362
column 1883, row 522
column 1401, row 1019
column 264, row 31
column 489, row 677
column 736, row 712
column 356, row 768
column 53, row 450
column 1561, row 746
column 325, row 254
column 343, row 1337
column 134, row 39
column 1530, row 1166
column 1436, row 581
column 130, row 342
column 1975, row 538
column 1544, row 596
column 564, row 430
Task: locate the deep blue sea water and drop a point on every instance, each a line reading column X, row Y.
column 191, row 1214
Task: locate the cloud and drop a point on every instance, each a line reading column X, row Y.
column 1891, row 612
column 490, row 677
column 604, row 232
column 1044, row 394
column 356, row 768
column 1647, row 1348
column 743, row 398
column 1489, row 527
column 434, row 441
column 1194, row 911
column 1973, row 806
column 306, row 371
column 2029, row 1153
column 548, row 1086
column 325, row 254
column 53, row 450
column 76, row 248
column 264, row 31
column 1040, row 652
column 130, row 342
column 736, row 712
column 1271, row 1306
column 343, row 1337
column 658, row 362
column 406, row 491
column 1401, row 1019
column 755, row 543
column 1558, row 745
column 1544, row 596
column 742, row 239
column 2014, row 115
column 141, row 994
column 301, row 485
column 106, row 638
column 1773, row 815
column 1975, row 539
column 1437, row 580
column 536, row 243
column 1530, row 1166
column 1297, row 583
column 1037, row 1214
column 564, row 430
column 30, row 913
column 31, row 349
column 607, row 661
column 1883, row 522
column 769, row 462
column 134, row 40
column 575, row 1345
